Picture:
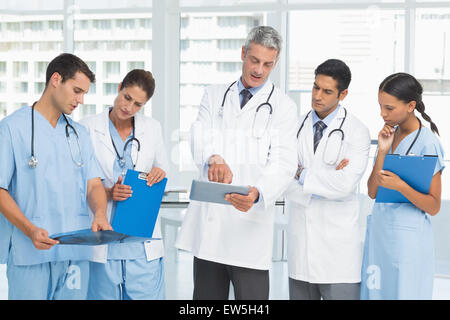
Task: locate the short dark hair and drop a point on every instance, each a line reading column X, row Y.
column 67, row 65
column 338, row 70
column 141, row 78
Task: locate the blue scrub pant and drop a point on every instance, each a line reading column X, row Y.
column 137, row 279
column 65, row 280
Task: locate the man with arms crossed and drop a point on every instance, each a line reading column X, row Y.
column 324, row 239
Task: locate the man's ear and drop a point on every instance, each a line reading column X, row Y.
column 343, row 94
column 55, row 79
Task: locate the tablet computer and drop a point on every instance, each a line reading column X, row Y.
column 214, row 192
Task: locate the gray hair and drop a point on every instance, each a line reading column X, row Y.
column 266, row 36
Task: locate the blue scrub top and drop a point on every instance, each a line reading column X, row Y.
column 427, row 144
column 52, row 195
column 119, row 251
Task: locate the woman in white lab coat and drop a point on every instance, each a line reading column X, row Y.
column 324, row 238
column 128, row 270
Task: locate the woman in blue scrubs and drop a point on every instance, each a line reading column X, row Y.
column 124, row 138
column 398, row 260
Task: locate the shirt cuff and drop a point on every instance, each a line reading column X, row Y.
column 301, row 179
column 260, row 196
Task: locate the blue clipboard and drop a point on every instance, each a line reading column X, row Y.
column 137, row 215
column 416, row 171
column 134, row 219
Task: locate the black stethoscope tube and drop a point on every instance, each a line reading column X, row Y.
column 33, row 161
column 267, row 103
column 339, row 129
column 133, row 138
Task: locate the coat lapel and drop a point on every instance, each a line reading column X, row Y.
column 139, row 131
column 335, row 123
column 102, row 132
column 259, row 98
column 234, row 99
column 305, row 140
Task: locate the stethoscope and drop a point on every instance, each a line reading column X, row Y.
column 265, row 105
column 121, row 159
column 329, row 160
column 415, row 138
column 33, row 162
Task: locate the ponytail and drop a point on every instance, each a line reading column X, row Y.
column 420, row 106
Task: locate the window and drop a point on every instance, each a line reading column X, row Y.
column 55, row 25
column 210, row 53
column 40, row 68
column 370, row 42
column 110, row 89
column 125, row 24
column 111, row 69
column 135, row 65
column 92, row 66
column 39, row 87
column 20, row 69
column 2, row 68
column 87, row 110
column 102, row 24
column 145, row 23
column 230, row 44
column 21, row 87
column 432, row 69
column 232, row 67
column 123, row 36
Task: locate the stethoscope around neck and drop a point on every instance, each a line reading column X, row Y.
column 415, row 138
column 330, row 157
column 256, row 132
column 33, row 162
column 121, row 159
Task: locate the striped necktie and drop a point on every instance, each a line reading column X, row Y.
column 320, row 126
column 246, row 95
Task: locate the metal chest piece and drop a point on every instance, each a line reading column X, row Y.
column 32, row 162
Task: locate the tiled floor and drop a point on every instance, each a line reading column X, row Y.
column 178, row 272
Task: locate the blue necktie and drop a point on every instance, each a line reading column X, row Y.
column 320, row 126
column 246, row 95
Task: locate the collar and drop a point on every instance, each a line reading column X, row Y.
column 327, row 120
column 253, row 90
column 139, row 125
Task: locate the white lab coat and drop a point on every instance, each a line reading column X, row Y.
column 324, row 237
column 221, row 233
column 152, row 154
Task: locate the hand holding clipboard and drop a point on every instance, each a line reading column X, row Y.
column 416, row 171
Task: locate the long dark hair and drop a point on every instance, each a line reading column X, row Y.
column 406, row 88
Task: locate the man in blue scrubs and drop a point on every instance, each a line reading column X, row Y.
column 48, row 176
